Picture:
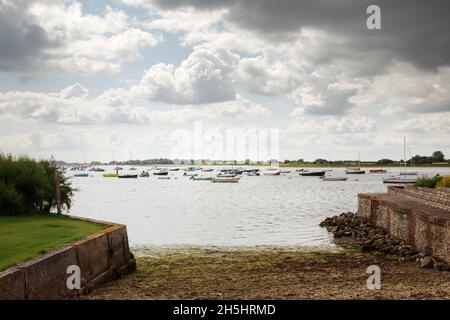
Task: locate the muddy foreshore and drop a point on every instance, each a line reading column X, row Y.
column 283, row 273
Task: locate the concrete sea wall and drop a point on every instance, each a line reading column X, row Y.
column 101, row 257
column 419, row 216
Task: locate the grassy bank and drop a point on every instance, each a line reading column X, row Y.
column 24, row 237
column 271, row 273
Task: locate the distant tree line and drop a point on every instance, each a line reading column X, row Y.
column 436, row 157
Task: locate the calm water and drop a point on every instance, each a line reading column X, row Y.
column 264, row 210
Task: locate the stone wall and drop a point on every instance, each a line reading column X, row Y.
column 102, row 257
column 419, row 216
column 439, row 198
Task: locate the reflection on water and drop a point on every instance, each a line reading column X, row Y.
column 266, row 210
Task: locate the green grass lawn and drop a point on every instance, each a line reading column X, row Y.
column 24, row 237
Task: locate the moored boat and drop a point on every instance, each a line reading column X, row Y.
column 161, row 172
column 200, row 178
column 377, row 171
column 312, row 174
column 225, row 180
column 144, row 174
column 128, row 176
column 400, row 180
column 226, row 175
column 355, row 171
column 110, row 175
column 81, row 174
column 334, row 179
column 190, row 174
column 272, row 172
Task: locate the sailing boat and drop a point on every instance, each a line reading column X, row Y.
column 355, row 170
column 403, row 178
column 407, row 173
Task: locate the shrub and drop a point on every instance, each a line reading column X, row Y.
column 444, row 182
column 427, row 182
column 29, row 185
column 11, row 202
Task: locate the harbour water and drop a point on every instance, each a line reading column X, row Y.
column 267, row 210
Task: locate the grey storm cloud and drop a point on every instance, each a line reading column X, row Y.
column 415, row 31
column 20, row 38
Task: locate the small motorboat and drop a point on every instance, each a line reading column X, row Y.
column 285, row 171
column 81, row 175
column 377, row 171
column 164, row 178
column 199, row 178
column 133, row 169
column 312, row 174
column 110, row 175
column 355, row 171
column 225, row 180
column 400, row 180
column 253, row 173
column 272, row 172
column 95, row 169
column 144, row 174
column 190, row 174
column 207, row 169
column 161, row 172
column 128, row 176
column 174, row 169
column 226, row 175
column 301, row 170
column 334, row 178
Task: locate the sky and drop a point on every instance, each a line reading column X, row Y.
column 86, row 80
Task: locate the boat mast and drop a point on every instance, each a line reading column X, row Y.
column 404, row 151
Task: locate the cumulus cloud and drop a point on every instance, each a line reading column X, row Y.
column 75, row 106
column 59, row 36
column 204, row 77
column 269, row 74
column 406, row 89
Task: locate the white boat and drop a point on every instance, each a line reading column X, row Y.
column 272, row 172
column 400, row 180
column 225, row 180
column 405, row 177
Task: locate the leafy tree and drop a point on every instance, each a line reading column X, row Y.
column 438, row 156
column 29, row 185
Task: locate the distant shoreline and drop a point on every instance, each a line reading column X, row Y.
column 285, row 165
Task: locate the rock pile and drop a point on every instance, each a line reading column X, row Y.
column 370, row 238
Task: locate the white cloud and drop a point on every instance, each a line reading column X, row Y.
column 204, row 77
column 406, row 89
column 85, row 43
column 74, row 105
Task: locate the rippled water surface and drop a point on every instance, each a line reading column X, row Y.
column 264, row 210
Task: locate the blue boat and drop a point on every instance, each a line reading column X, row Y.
column 81, row 174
